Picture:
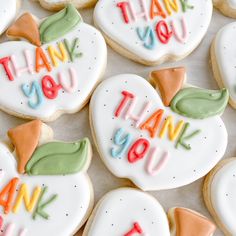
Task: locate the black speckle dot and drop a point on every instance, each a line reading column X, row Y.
column 67, row 214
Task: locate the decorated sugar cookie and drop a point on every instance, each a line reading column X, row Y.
column 8, row 12
column 56, row 5
column 153, row 31
column 156, row 146
column 227, row 7
column 54, row 78
column 220, row 192
column 223, row 60
column 44, row 187
column 186, row 222
column 127, row 212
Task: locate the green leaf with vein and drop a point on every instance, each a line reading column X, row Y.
column 59, row 24
column 58, row 158
column 200, row 103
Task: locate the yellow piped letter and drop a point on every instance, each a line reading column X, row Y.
column 54, row 54
column 171, row 4
column 24, row 195
column 172, row 131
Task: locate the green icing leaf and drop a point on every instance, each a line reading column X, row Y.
column 59, row 24
column 200, row 103
column 58, row 158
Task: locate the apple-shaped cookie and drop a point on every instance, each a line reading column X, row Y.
column 153, row 31
column 55, row 78
column 223, row 60
column 8, row 12
column 152, row 145
column 220, row 192
column 127, row 212
column 54, row 196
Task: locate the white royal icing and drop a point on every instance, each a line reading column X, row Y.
column 120, row 209
column 67, row 212
column 8, row 11
column 88, row 70
column 232, row 3
column 225, row 50
column 181, row 166
column 108, row 17
column 223, row 195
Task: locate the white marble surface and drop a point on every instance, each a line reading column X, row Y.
column 71, row 127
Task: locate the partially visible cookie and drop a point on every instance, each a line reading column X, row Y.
column 152, row 32
column 227, row 7
column 44, row 183
column 8, row 11
column 223, row 60
column 186, row 222
column 54, row 69
column 220, row 193
column 57, row 5
column 127, row 212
